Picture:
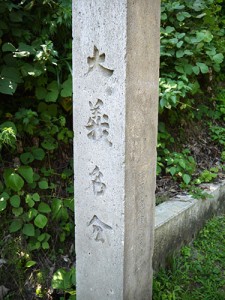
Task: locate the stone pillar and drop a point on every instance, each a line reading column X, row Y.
column 115, row 65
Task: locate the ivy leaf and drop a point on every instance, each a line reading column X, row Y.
column 40, row 221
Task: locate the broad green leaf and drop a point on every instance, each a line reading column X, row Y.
column 15, row 226
column 67, row 88
column 27, row 173
column 203, row 67
column 49, row 144
column 50, row 109
column 29, row 200
column 7, row 86
column 182, row 163
column 26, row 158
column 40, row 93
column 3, row 201
column 43, row 184
column 180, row 53
column 41, row 237
column 45, row 245
column 40, row 221
column 11, row 73
column 38, row 153
column 44, row 208
column 30, row 263
column 32, row 213
column 28, row 229
column 36, row 197
column 62, row 279
column 17, row 211
column 8, row 47
column 15, row 201
column 173, row 170
column 186, row 178
column 218, row 58
column 15, row 182
column 196, row 70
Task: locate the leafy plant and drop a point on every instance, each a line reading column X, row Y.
column 181, row 166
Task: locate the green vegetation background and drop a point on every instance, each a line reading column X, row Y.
column 36, row 169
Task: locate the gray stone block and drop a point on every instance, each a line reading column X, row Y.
column 115, row 84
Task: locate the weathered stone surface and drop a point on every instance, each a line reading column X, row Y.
column 179, row 220
column 115, row 63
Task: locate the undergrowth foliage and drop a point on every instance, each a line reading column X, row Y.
column 191, row 83
column 36, row 168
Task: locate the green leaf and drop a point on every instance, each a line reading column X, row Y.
column 186, row 178
column 15, row 226
column 196, row 70
column 15, row 201
column 36, row 197
column 26, row 158
column 38, row 153
column 182, row 163
column 15, row 182
column 49, row 144
column 32, row 213
column 17, row 211
column 173, row 170
column 45, row 245
column 40, row 93
column 8, row 47
column 3, row 201
column 7, row 86
column 67, row 88
column 44, row 208
column 29, row 200
column 30, row 263
column 11, row 73
column 28, row 229
column 218, row 58
column 27, row 173
column 179, row 53
column 40, row 221
column 43, row 184
column 62, row 280
column 203, row 67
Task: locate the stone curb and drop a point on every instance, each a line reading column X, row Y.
column 178, row 220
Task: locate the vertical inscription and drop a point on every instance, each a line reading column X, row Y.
column 98, row 185
column 95, row 62
column 99, row 229
column 98, row 123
